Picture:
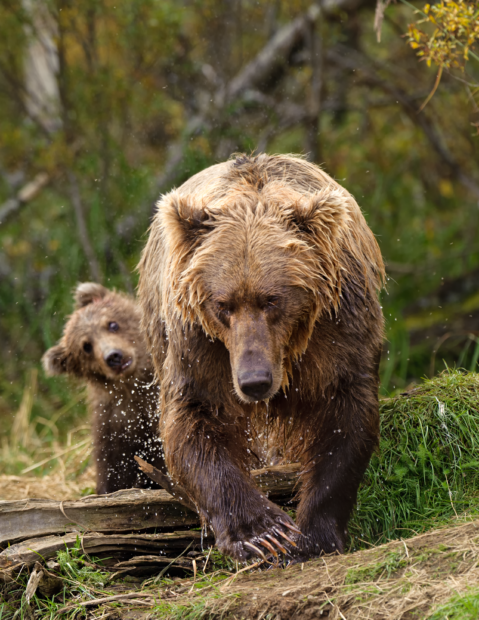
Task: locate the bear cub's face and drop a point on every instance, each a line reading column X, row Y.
column 101, row 339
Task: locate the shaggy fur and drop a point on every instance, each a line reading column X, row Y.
column 258, row 287
column 102, row 344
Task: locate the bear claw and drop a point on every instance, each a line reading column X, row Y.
column 285, row 536
column 258, row 551
column 290, row 527
column 277, row 543
column 268, row 546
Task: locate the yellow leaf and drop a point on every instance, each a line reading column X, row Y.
column 445, row 188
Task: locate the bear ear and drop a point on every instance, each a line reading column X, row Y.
column 181, row 220
column 54, row 361
column 325, row 214
column 87, row 292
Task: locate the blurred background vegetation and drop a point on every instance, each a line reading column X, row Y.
column 104, row 105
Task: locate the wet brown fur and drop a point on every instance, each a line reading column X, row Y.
column 122, row 403
column 265, row 263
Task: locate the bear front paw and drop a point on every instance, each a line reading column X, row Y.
column 263, row 538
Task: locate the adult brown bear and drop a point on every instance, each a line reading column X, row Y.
column 258, row 287
column 103, row 345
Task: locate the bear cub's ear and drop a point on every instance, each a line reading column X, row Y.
column 87, row 292
column 54, row 361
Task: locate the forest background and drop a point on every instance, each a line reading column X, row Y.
column 104, row 106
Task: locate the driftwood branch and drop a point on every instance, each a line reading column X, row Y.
column 166, row 482
column 278, row 482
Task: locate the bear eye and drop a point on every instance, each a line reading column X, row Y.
column 224, row 312
column 272, row 302
column 87, row 347
column 113, row 327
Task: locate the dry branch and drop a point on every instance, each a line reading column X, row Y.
column 273, row 58
column 106, row 599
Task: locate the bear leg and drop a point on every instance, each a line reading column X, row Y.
column 334, row 465
column 206, row 454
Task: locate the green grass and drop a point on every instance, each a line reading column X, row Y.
column 427, row 468
column 460, row 607
column 82, row 579
column 386, row 567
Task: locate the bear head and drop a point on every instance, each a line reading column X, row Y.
column 255, row 251
column 101, row 339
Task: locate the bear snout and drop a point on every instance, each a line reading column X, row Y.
column 255, row 384
column 117, row 361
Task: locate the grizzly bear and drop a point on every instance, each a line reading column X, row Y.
column 103, row 345
column 259, row 291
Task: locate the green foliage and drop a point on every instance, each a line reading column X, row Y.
column 81, row 576
column 427, row 468
column 75, row 567
column 460, row 607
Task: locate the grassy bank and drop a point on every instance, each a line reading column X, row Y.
column 427, row 468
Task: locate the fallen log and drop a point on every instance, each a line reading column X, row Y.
column 117, row 547
column 123, row 511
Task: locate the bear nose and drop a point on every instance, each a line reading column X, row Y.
column 114, row 359
column 255, row 383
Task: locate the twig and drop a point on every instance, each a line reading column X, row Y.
column 173, row 489
column 33, row 582
column 106, row 599
column 230, row 580
column 194, row 577
column 55, row 456
column 171, row 563
column 207, row 558
column 73, row 521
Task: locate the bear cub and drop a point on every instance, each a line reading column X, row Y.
column 103, row 345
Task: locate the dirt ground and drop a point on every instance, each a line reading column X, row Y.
column 399, row 580
column 402, row 580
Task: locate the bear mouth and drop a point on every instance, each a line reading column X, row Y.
column 126, row 364
column 118, row 364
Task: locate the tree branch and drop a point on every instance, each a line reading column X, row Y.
column 346, row 60
column 95, row 270
column 28, row 192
